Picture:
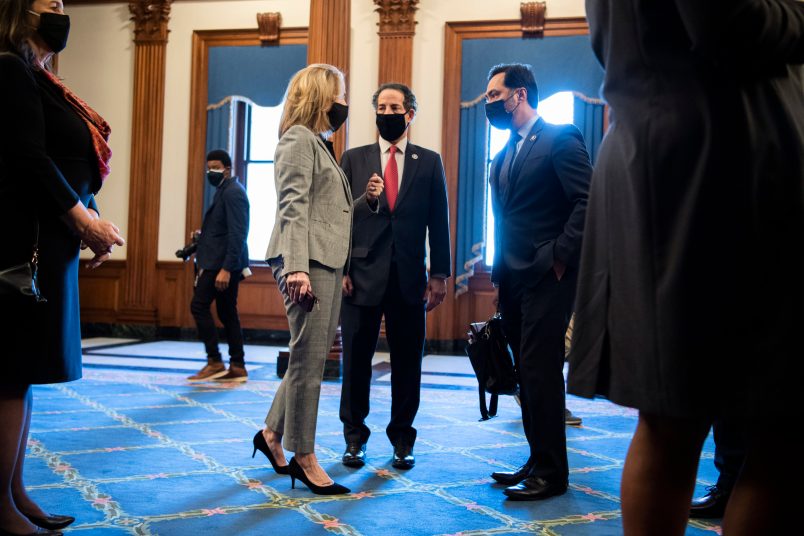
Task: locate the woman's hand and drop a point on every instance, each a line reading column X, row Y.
column 97, row 260
column 374, row 188
column 98, row 235
column 298, row 285
column 101, row 236
column 95, row 216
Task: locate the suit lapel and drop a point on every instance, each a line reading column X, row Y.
column 409, row 173
column 516, row 167
column 344, row 181
column 215, row 199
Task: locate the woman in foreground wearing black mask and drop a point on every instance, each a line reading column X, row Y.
column 308, row 250
column 53, row 159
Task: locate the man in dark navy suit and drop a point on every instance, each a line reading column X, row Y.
column 539, row 185
column 388, row 273
column 222, row 259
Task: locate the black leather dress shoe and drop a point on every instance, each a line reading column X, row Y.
column 710, row 506
column 534, row 488
column 355, row 455
column 403, row 457
column 512, row 478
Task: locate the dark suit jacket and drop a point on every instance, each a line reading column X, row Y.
column 378, row 238
column 223, row 234
column 541, row 216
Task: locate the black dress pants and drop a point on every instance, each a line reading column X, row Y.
column 226, row 304
column 730, row 447
column 405, row 331
column 535, row 314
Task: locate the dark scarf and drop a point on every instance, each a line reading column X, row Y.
column 98, row 128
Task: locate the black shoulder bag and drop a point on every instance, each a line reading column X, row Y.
column 20, row 280
column 492, row 362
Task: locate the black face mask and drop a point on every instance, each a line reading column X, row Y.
column 498, row 116
column 53, row 29
column 215, row 178
column 391, row 126
column 337, row 115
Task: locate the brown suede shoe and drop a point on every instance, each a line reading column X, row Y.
column 209, row 372
column 234, row 374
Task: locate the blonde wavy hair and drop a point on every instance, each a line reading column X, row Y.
column 309, row 96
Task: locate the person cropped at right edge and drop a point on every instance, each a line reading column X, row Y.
column 691, row 287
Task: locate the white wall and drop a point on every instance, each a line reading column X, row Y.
column 98, row 65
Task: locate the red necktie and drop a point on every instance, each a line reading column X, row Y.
column 391, row 179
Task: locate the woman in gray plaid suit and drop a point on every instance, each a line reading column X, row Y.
column 308, row 250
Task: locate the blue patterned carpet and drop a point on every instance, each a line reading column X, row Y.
column 133, row 452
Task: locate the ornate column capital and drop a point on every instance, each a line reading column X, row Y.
column 397, row 17
column 150, row 20
column 533, row 18
column 269, row 25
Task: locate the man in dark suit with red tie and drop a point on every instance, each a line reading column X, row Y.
column 539, row 186
column 388, row 272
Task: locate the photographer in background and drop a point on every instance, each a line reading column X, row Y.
column 221, row 257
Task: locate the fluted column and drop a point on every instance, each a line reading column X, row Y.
column 328, row 42
column 150, row 42
column 397, row 28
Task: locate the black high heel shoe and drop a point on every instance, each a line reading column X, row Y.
column 50, row 521
column 261, row 445
column 38, row 532
column 296, row 471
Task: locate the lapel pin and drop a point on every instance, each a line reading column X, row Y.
column 414, row 156
column 533, row 138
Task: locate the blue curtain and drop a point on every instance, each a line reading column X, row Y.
column 252, row 74
column 588, row 117
column 471, row 193
column 564, row 63
column 259, row 73
column 219, row 136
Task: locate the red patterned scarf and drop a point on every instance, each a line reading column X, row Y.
column 98, row 128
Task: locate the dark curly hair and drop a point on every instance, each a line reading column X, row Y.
column 408, row 98
column 15, row 29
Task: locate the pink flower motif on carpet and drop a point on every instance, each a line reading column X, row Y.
column 101, row 501
column 472, row 506
column 255, row 485
column 593, row 517
column 383, row 472
column 213, row 511
column 62, row 467
column 362, row 495
column 331, row 524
